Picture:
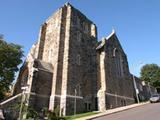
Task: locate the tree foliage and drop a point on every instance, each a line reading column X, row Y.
column 10, row 57
column 151, row 73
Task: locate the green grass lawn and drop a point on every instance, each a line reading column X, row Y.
column 72, row 117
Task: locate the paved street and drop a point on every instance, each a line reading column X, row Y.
column 146, row 112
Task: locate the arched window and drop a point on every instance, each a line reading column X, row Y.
column 118, row 62
column 114, row 52
column 79, row 36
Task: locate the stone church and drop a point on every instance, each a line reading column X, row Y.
column 68, row 67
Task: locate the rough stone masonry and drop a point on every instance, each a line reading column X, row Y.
column 68, row 68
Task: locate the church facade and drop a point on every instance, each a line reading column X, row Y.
column 68, row 68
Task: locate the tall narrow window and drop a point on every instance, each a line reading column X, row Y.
column 74, row 21
column 118, row 62
column 78, row 22
column 117, row 65
column 79, row 36
column 78, row 59
column 85, row 27
column 121, row 65
column 78, row 88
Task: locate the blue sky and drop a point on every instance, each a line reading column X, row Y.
column 137, row 24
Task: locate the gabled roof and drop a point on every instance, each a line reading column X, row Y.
column 111, row 34
column 102, row 43
column 112, row 37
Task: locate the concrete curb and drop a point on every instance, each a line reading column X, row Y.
column 111, row 111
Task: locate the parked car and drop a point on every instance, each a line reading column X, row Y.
column 155, row 98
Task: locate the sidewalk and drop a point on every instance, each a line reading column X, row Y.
column 111, row 111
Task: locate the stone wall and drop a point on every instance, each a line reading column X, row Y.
column 81, row 73
column 54, row 51
column 145, row 90
column 114, row 67
column 41, row 41
column 21, row 80
column 81, row 62
column 41, row 90
column 141, row 89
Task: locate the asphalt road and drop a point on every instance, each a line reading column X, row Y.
column 146, row 112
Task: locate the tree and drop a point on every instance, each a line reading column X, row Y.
column 151, row 73
column 10, row 57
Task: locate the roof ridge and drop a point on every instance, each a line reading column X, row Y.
column 111, row 34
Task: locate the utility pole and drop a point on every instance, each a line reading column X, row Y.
column 150, row 92
column 134, row 81
column 116, row 99
column 75, row 101
column 24, row 89
column 136, row 89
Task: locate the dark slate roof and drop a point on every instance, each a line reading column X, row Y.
column 43, row 65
